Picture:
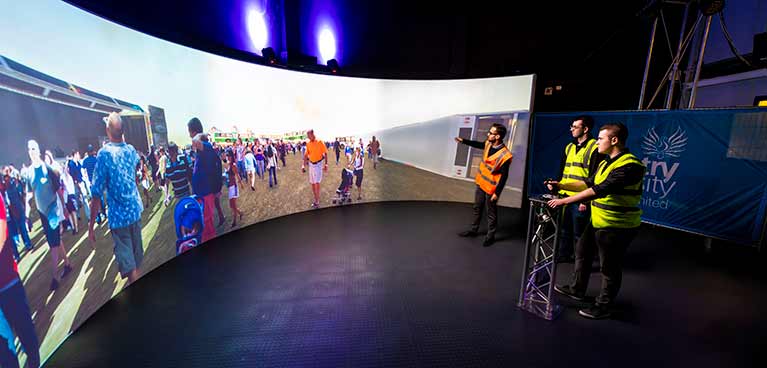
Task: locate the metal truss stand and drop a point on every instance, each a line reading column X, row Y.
column 539, row 272
column 656, row 9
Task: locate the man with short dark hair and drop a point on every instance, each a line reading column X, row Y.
column 282, row 151
column 491, row 178
column 74, row 167
column 615, row 191
column 271, row 162
column 178, row 172
column 579, row 159
column 89, row 164
column 337, row 150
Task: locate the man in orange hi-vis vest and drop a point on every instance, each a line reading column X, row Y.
column 491, row 178
column 316, row 158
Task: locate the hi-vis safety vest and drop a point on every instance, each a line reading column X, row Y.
column 620, row 210
column 577, row 164
column 488, row 175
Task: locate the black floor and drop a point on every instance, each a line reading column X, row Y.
column 390, row 284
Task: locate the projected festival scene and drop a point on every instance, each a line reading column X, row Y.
column 160, row 147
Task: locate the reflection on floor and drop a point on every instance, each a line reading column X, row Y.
column 390, row 284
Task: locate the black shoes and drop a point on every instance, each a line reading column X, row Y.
column 468, row 234
column 596, row 311
column 569, row 292
column 489, row 240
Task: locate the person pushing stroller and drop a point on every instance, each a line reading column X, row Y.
column 344, row 191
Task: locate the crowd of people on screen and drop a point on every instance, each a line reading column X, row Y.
column 106, row 187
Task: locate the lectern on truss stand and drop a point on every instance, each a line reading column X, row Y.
column 539, row 272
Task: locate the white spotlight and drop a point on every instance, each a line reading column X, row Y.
column 257, row 29
column 327, row 42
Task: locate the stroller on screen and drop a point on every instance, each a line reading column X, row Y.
column 344, row 191
column 189, row 223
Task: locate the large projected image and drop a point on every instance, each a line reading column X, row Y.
column 159, row 148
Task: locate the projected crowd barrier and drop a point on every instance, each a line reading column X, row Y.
column 706, row 169
column 273, row 142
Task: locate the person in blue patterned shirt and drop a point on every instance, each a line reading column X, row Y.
column 115, row 173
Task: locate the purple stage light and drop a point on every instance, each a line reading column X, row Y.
column 324, row 38
column 326, row 41
column 257, row 30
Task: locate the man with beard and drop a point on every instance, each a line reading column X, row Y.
column 490, row 179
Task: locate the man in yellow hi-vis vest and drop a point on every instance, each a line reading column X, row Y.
column 615, row 191
column 491, row 178
column 580, row 158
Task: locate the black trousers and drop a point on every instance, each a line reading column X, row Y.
column 611, row 243
column 482, row 200
column 573, row 223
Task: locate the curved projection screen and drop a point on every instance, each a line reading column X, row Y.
column 65, row 70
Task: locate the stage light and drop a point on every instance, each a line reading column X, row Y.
column 711, row 7
column 327, row 42
column 269, row 55
column 333, row 65
column 760, row 101
column 257, row 30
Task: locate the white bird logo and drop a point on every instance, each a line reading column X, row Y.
column 663, row 147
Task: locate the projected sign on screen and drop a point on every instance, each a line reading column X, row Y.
column 270, row 137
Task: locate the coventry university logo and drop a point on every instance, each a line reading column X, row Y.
column 662, row 147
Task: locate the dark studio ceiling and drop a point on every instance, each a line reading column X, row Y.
column 595, row 49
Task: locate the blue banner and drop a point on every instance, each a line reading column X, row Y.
column 706, row 169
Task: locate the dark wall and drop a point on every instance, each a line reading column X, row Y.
column 743, row 19
column 56, row 127
column 51, row 124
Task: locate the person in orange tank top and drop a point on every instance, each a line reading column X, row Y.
column 316, row 159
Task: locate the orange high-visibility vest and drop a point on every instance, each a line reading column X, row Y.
column 488, row 175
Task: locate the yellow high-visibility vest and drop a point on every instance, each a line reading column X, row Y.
column 619, row 210
column 577, row 164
